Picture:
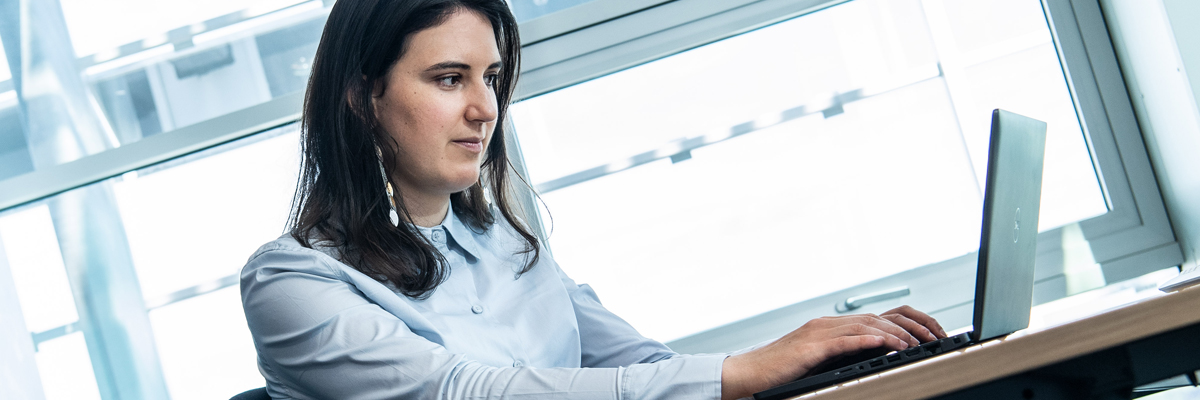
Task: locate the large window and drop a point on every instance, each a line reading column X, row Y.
column 802, row 158
column 759, row 162
column 719, row 170
column 799, row 159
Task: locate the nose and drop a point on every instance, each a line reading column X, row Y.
column 481, row 104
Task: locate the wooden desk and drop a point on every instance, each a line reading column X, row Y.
column 1100, row 357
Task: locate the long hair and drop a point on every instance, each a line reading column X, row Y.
column 340, row 199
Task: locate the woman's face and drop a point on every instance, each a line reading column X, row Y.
column 439, row 105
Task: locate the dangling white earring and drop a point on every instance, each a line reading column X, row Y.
column 392, row 214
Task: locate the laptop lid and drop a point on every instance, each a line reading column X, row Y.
column 1008, row 238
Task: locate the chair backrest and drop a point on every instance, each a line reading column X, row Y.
column 253, row 394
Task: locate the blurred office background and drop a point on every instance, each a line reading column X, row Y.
column 719, row 171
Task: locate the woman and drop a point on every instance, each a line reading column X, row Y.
column 406, row 273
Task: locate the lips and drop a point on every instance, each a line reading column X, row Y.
column 472, row 144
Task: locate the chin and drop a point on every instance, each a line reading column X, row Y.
column 463, row 182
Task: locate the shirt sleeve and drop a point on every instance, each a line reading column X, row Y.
column 318, row 337
column 606, row 340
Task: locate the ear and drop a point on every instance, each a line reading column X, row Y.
column 352, row 98
column 377, row 88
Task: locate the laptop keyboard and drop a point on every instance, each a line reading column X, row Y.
column 857, row 368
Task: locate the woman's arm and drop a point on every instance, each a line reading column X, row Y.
column 822, row 340
column 607, row 340
column 319, row 337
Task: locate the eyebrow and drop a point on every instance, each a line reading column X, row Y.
column 458, row 65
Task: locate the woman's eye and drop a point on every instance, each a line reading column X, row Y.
column 491, row 80
column 448, row 80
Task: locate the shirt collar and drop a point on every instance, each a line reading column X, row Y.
column 457, row 230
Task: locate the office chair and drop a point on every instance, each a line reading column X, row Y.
column 253, row 394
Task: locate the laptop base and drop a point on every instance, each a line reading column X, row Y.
column 866, row 367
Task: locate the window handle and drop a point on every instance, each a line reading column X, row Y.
column 858, row 301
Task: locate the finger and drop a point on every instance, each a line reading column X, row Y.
column 890, row 339
column 916, row 329
column 850, row 344
column 920, row 318
column 889, row 327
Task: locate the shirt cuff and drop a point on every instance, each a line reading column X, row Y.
column 680, row 377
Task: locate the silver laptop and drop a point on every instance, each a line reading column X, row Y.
column 1007, row 246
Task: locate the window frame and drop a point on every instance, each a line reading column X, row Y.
column 568, row 20
column 1133, row 238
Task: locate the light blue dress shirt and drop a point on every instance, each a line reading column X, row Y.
column 324, row 330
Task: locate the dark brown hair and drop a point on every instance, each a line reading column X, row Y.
column 340, row 200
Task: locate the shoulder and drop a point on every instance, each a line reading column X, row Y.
column 284, row 269
column 287, row 254
column 287, row 243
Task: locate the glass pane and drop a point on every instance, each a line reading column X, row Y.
column 205, row 347
column 196, row 220
column 1005, row 55
column 37, row 267
column 978, row 24
column 526, row 10
column 1070, row 190
column 96, row 26
column 253, row 53
column 222, row 75
column 66, row 370
column 834, row 149
column 712, row 88
column 179, row 232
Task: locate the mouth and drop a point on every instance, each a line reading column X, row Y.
column 474, row 145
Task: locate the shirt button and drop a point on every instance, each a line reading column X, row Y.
column 437, row 236
column 478, row 309
column 517, row 364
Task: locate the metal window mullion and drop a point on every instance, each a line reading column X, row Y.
column 54, row 333
column 190, row 292
column 580, row 16
column 158, row 148
column 622, row 30
column 112, row 315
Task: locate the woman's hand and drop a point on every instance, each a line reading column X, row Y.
column 822, row 340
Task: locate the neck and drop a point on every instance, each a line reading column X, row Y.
column 427, row 211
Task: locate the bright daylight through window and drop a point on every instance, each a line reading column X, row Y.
column 860, row 152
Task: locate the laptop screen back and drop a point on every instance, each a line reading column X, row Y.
column 1004, row 279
